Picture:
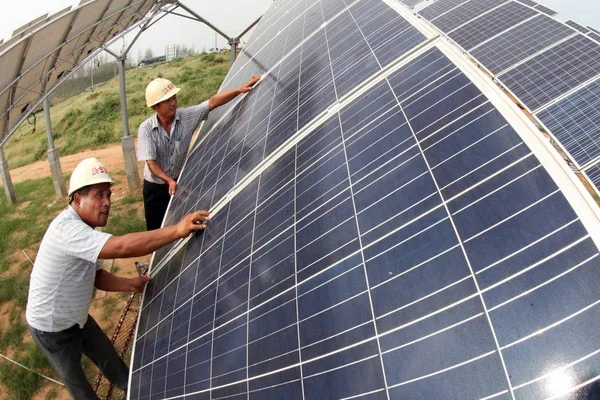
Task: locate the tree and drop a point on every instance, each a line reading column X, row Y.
column 148, row 53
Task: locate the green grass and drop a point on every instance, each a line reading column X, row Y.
column 109, row 306
column 21, row 383
column 92, row 120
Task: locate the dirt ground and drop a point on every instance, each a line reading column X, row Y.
column 111, row 157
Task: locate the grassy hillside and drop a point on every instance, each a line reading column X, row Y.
column 93, row 119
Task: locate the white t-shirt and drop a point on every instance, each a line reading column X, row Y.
column 62, row 280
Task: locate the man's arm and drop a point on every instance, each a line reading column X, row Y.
column 142, row 243
column 160, row 173
column 111, row 283
column 225, row 97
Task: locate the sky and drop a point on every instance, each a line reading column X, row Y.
column 230, row 16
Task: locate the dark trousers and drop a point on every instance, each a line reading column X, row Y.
column 156, row 201
column 63, row 350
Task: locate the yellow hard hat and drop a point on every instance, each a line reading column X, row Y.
column 88, row 172
column 160, row 90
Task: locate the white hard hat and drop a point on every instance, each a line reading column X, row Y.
column 160, row 90
column 88, row 172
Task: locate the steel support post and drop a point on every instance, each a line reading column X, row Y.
column 58, row 180
column 233, row 42
column 127, row 141
column 9, row 190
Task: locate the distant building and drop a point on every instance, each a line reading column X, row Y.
column 152, row 60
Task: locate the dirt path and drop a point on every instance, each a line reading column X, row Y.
column 111, row 157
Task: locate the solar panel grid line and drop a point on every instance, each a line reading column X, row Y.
column 529, row 3
column 484, row 13
column 557, row 277
column 440, row 8
column 314, row 4
column 520, row 43
column 281, row 60
column 491, row 38
column 545, row 10
column 488, row 26
column 525, row 60
column 274, row 156
column 464, row 253
column 564, row 96
column 467, row 11
column 577, row 27
column 594, row 36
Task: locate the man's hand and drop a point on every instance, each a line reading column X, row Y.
column 193, row 222
column 172, row 187
column 246, row 87
column 137, row 284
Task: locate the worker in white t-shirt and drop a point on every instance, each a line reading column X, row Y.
column 66, row 270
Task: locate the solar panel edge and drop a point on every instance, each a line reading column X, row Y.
column 578, row 196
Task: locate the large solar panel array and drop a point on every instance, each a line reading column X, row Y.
column 547, row 65
column 385, row 234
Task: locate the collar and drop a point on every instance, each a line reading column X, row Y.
column 156, row 125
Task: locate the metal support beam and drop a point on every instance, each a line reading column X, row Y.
column 233, row 42
column 127, row 141
column 58, row 179
column 9, row 190
column 211, row 26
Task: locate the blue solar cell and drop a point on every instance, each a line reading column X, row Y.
column 439, row 7
column 490, row 24
column 402, row 248
column 575, row 123
column 520, row 42
column 464, row 13
column 554, row 72
column 593, row 174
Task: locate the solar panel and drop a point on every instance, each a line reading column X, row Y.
column 554, row 72
column 545, row 10
column 439, row 7
column 519, row 43
column 575, row 122
column 404, row 244
column 577, row 27
column 490, row 24
column 464, row 13
column 528, row 3
column 594, row 36
column 315, row 75
column 593, row 175
column 593, row 30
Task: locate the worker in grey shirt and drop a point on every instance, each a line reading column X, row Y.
column 164, row 138
column 66, row 270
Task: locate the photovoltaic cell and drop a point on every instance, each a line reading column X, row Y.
column 554, row 72
column 490, row 24
column 593, row 30
column 593, row 174
column 577, row 27
column 594, row 36
column 520, row 43
column 409, row 245
column 464, row 13
column 575, row 122
column 545, row 10
column 528, row 3
column 439, row 7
